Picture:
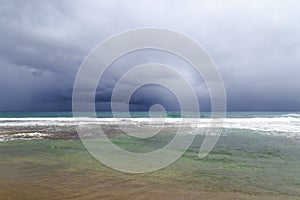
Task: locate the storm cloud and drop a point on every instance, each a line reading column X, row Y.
column 255, row 45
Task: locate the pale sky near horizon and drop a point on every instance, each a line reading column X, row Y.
column 255, row 45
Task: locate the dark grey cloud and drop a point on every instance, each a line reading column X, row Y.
column 255, row 44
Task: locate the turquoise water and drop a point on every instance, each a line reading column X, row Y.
column 146, row 114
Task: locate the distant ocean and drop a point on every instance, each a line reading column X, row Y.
column 146, row 114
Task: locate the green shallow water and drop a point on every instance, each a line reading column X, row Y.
column 243, row 165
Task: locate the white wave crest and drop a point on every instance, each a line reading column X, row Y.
column 289, row 126
column 22, row 136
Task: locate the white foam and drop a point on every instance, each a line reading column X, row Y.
column 291, row 115
column 22, row 136
column 289, row 126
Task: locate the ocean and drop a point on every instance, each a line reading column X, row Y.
column 256, row 157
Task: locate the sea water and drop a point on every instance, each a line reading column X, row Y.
column 256, row 157
column 26, row 125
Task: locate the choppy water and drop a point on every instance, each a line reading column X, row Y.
column 41, row 125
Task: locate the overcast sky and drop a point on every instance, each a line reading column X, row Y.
column 255, row 45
